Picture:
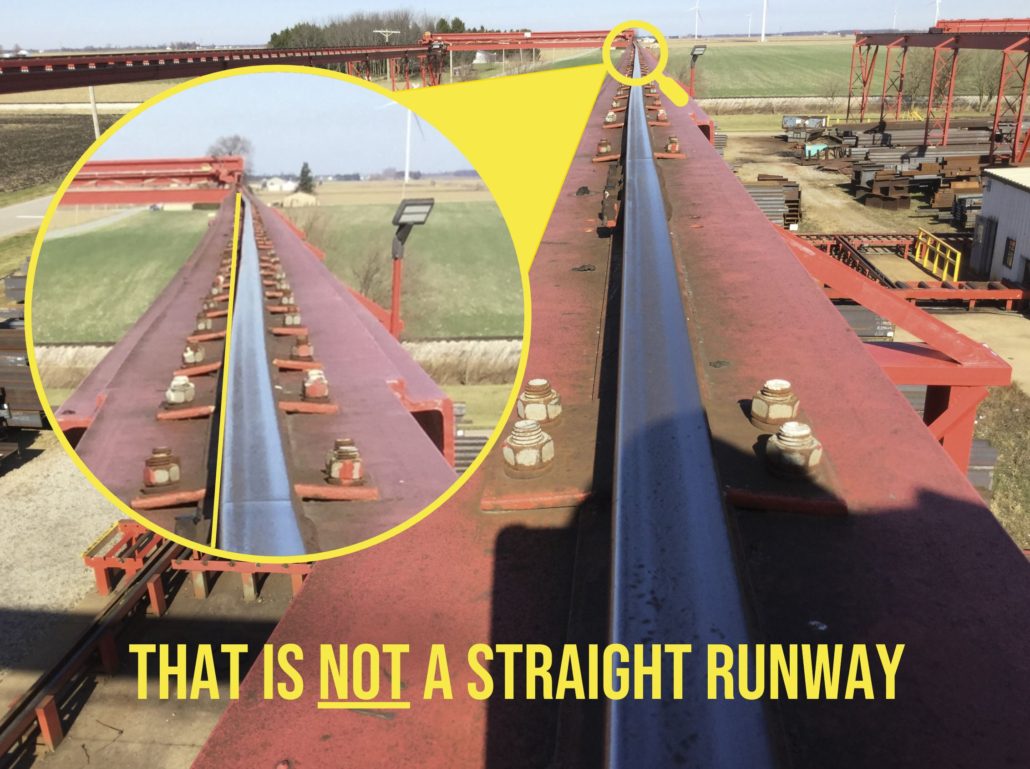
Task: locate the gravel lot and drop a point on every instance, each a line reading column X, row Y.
column 50, row 514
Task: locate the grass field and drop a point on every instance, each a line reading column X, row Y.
column 1004, row 420
column 461, row 276
column 483, row 403
column 92, row 287
column 14, row 251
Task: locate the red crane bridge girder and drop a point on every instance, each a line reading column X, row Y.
column 154, row 181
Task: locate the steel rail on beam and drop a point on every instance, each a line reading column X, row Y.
column 257, row 513
column 674, row 578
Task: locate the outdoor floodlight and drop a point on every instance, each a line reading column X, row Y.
column 413, row 211
column 698, row 50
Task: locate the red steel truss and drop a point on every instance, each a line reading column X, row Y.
column 1011, row 37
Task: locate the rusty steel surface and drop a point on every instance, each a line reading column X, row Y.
column 674, row 574
column 118, row 403
column 461, row 577
column 381, row 393
column 919, row 560
column 399, row 419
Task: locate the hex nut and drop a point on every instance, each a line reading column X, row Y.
column 528, row 450
column 793, row 452
column 161, row 468
column 193, row 354
column 180, row 392
column 774, row 405
column 316, row 386
column 539, row 402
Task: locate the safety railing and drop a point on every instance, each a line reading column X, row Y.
column 936, row 256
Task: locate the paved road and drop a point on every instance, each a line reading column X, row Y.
column 22, row 217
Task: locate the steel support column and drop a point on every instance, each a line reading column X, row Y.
column 863, row 62
column 893, row 79
column 1011, row 104
column 942, row 92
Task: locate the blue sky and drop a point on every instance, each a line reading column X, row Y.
column 290, row 119
column 55, row 23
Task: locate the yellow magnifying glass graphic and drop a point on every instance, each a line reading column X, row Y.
column 673, row 90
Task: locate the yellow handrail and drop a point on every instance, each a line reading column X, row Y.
column 937, row 257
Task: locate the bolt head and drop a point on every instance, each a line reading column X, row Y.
column 793, row 452
column 527, row 451
column 774, row 405
column 539, row 402
column 180, row 391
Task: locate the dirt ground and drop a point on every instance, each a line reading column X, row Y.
column 826, row 204
column 43, row 148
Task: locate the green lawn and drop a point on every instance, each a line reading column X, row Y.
column 461, row 276
column 483, row 403
column 1004, row 420
column 10, row 197
column 92, row 287
column 15, row 250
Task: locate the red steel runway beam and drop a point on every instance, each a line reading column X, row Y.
column 919, row 558
column 524, row 39
column 462, row 576
column 393, row 415
column 41, row 73
column 902, row 567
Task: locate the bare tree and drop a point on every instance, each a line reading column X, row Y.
column 371, row 275
column 232, row 145
column 984, row 74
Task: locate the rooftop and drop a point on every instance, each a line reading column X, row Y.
column 1018, row 176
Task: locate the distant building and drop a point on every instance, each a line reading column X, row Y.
column 1001, row 245
column 277, row 184
column 299, row 200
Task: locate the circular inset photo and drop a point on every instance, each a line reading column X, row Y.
column 276, row 315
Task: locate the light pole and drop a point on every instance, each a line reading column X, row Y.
column 411, row 212
column 695, row 54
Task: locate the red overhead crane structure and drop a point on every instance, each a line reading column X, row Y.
column 155, row 181
column 1010, row 138
column 423, row 60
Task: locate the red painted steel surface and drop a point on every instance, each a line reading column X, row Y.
column 459, row 577
column 144, row 196
column 154, row 180
column 40, row 73
column 486, row 41
column 920, row 559
column 366, row 369
column 983, row 25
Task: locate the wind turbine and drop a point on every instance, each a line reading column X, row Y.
column 936, row 11
column 697, row 17
column 749, row 25
column 765, row 12
column 407, row 142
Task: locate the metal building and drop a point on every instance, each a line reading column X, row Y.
column 1001, row 247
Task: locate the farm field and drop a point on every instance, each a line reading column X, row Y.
column 461, row 275
column 40, row 149
column 93, row 286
